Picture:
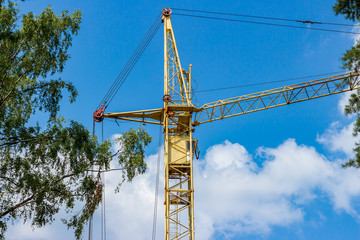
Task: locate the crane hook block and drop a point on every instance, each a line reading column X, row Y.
column 99, row 114
column 166, row 12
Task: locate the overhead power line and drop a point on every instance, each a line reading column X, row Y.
column 263, row 83
column 264, row 17
column 265, row 23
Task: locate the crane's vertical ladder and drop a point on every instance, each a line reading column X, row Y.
column 178, row 152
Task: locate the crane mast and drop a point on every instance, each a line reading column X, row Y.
column 179, row 117
column 179, row 144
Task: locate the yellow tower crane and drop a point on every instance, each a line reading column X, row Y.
column 179, row 117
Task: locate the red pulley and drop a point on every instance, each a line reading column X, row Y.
column 167, row 98
column 167, row 11
column 99, row 114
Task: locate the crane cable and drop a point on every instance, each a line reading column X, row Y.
column 103, row 206
column 157, row 186
column 263, row 83
column 263, row 17
column 102, row 179
column 90, row 234
column 131, row 63
column 266, row 23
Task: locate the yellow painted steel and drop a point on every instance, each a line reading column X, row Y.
column 276, row 97
column 259, row 101
column 179, row 117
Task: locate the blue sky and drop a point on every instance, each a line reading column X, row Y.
column 269, row 175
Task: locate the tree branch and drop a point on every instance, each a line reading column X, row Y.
column 108, row 170
column 15, row 53
column 29, row 140
column 20, row 204
column 9, row 179
column 12, row 90
column 17, row 81
column 27, row 200
column 10, row 61
column 48, row 188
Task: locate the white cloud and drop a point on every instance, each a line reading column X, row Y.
column 241, row 198
column 344, row 100
column 116, row 145
column 25, row 231
column 339, row 138
column 130, row 212
column 233, row 194
column 236, row 156
column 355, row 37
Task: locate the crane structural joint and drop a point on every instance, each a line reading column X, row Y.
column 99, row 114
column 166, row 12
column 167, row 98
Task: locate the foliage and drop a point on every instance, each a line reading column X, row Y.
column 52, row 165
column 351, row 61
column 351, row 108
column 130, row 162
column 349, row 8
column 131, row 158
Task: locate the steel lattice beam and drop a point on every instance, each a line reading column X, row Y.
column 276, row 97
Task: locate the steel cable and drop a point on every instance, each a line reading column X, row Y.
column 156, row 186
column 103, row 208
column 265, row 23
column 113, row 86
column 127, row 72
column 131, row 62
column 263, row 17
column 263, row 83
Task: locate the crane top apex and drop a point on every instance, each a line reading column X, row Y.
column 166, row 12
